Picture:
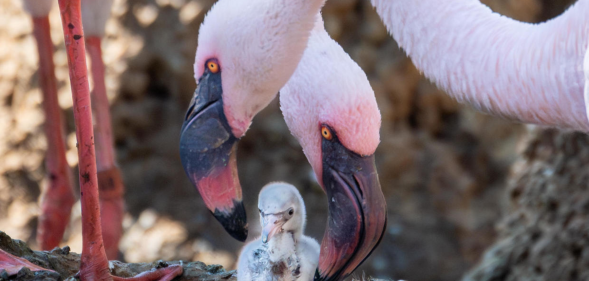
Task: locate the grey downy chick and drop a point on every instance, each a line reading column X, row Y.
column 282, row 253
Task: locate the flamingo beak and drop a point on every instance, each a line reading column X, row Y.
column 207, row 150
column 357, row 211
column 272, row 225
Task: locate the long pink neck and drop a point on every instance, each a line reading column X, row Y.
column 527, row 72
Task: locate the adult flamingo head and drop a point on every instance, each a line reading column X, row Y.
column 330, row 108
column 247, row 50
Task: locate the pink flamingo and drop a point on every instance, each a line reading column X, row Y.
column 95, row 13
column 247, row 50
column 531, row 73
column 58, row 196
column 330, row 107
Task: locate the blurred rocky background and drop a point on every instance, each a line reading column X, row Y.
column 544, row 234
column 444, row 168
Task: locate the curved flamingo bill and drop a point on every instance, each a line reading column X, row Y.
column 357, row 211
column 207, row 150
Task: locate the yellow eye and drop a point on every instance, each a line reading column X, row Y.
column 326, row 132
column 213, row 66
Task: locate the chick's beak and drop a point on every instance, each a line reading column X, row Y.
column 357, row 211
column 272, row 225
column 208, row 150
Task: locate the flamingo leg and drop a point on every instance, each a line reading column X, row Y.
column 58, row 198
column 94, row 263
column 110, row 182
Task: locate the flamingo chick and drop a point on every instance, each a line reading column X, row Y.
column 531, row 73
column 283, row 252
column 331, row 109
column 247, row 50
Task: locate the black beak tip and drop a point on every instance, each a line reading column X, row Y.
column 234, row 222
column 318, row 277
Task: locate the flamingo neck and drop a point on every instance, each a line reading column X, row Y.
column 527, row 72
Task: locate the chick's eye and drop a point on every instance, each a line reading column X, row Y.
column 326, row 133
column 213, row 66
column 290, row 212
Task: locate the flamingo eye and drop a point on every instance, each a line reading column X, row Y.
column 213, row 66
column 326, row 133
column 289, row 214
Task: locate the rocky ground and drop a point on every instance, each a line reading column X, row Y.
column 544, row 234
column 443, row 167
column 64, row 265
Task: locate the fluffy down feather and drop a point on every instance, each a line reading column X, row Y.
column 288, row 255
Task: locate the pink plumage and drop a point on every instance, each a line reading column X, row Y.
column 95, row 14
column 258, row 44
column 328, row 87
column 38, row 8
column 527, row 72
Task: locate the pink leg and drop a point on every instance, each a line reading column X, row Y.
column 13, row 264
column 93, row 264
column 58, row 198
column 112, row 207
column 109, row 180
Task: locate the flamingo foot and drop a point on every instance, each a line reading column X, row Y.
column 111, row 210
column 13, row 265
column 92, row 268
column 163, row 272
column 160, row 274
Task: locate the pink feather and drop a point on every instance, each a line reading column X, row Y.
column 527, row 72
